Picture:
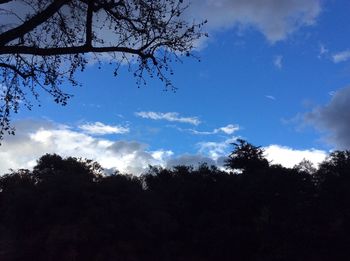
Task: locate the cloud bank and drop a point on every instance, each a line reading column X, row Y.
column 333, row 119
column 36, row 138
column 276, row 154
column 289, row 157
column 275, row 19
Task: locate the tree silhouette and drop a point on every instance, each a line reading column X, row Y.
column 44, row 43
column 246, row 157
column 305, row 166
column 67, row 209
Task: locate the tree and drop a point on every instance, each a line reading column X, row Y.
column 44, row 43
column 246, row 157
column 305, row 166
column 334, row 169
column 64, row 209
column 53, row 168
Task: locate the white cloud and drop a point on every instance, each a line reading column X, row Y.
column 33, row 139
column 270, row 97
column 331, row 93
column 228, row 129
column 215, row 150
column 289, row 157
column 276, row 154
column 168, row 116
column 275, row 19
column 99, row 128
column 341, row 56
column 323, row 51
column 197, row 132
column 277, row 61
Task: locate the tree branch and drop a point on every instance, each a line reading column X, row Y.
column 88, row 40
column 15, row 69
column 5, row 1
column 68, row 50
column 33, row 22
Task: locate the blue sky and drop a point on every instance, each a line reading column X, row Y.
column 273, row 72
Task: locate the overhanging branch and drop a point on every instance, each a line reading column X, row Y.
column 68, row 50
column 33, row 22
column 5, row 1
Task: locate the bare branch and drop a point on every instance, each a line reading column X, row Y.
column 88, row 40
column 32, row 23
column 16, row 70
column 5, row 1
column 66, row 50
column 55, row 36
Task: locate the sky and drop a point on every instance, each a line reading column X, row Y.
column 273, row 72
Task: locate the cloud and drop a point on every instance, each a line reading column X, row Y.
column 277, row 61
column 228, row 129
column 215, row 150
column 341, row 56
column 323, row 51
column 36, row 138
column 98, row 128
column 168, row 116
column 275, row 19
column 270, row 97
column 289, row 157
column 276, row 154
column 333, row 119
column 33, row 139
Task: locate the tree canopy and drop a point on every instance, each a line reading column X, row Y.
column 246, row 157
column 44, row 43
column 66, row 209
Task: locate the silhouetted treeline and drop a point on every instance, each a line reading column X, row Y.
column 66, row 209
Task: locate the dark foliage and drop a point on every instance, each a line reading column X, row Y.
column 246, row 158
column 66, row 209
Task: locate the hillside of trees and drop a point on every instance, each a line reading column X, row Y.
column 67, row 209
